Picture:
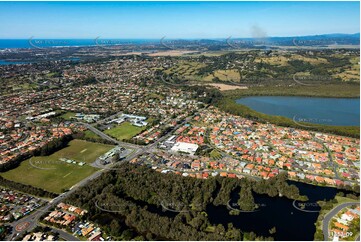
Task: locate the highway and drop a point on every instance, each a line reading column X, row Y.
column 34, row 217
column 329, row 216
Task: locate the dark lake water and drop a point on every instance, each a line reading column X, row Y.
column 329, row 111
column 293, row 220
column 279, row 212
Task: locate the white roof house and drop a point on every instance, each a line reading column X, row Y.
column 185, row 147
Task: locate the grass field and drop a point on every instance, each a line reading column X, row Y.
column 91, row 135
column 283, row 61
column 350, row 73
column 224, row 75
column 124, row 131
column 54, row 175
column 215, row 154
column 68, row 115
column 213, row 53
column 186, row 69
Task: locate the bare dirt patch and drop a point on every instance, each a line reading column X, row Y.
column 172, row 53
column 226, row 87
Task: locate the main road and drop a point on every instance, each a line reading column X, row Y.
column 31, row 221
column 107, row 137
column 331, row 214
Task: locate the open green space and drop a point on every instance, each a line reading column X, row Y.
column 124, row 131
column 215, row 154
column 53, row 173
column 92, row 136
column 68, row 115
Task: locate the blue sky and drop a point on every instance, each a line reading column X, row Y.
column 134, row 20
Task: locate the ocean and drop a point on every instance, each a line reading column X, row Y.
column 48, row 43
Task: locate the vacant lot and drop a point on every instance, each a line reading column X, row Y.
column 187, row 70
column 226, row 87
column 351, row 72
column 283, row 60
column 172, row 53
column 53, row 174
column 224, row 75
column 92, row 136
column 124, row 131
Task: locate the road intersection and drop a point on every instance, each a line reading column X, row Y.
column 31, row 221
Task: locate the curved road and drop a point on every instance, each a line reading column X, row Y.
column 330, row 215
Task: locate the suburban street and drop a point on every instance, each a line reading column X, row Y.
column 34, row 217
column 32, row 220
column 64, row 235
column 330, row 215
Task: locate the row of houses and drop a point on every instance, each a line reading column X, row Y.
column 343, row 224
column 15, row 205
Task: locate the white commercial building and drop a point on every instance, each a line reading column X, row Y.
column 185, row 147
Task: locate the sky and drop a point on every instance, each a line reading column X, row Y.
column 153, row 20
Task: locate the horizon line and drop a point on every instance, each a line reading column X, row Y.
column 174, row 38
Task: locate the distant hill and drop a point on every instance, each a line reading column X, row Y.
column 322, row 40
column 312, row 40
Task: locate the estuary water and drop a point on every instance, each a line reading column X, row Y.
column 328, row 111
